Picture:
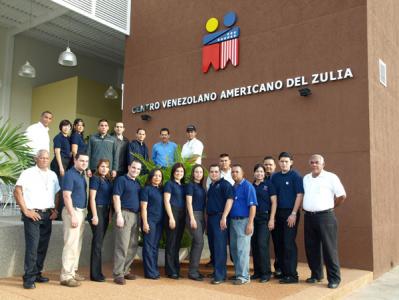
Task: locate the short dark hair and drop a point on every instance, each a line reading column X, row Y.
column 285, row 154
column 135, row 161
column 151, row 175
column 64, row 123
column 102, row 120
column 224, row 155
column 46, row 112
column 213, row 166
column 174, row 168
column 269, row 157
column 192, row 173
column 138, row 129
column 237, row 166
column 79, row 154
column 164, row 129
column 257, row 166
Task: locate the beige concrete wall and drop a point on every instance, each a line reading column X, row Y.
column 383, row 43
column 44, row 58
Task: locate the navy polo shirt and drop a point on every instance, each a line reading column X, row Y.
column 177, row 193
column 245, row 197
column 218, row 193
column 287, row 186
column 128, row 190
column 64, row 144
column 154, row 198
column 198, row 194
column 77, row 139
column 103, row 187
column 75, row 182
column 264, row 191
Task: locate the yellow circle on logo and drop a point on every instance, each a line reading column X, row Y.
column 212, row 24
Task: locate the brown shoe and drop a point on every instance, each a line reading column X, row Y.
column 120, row 280
column 130, row 277
column 70, row 283
column 78, row 277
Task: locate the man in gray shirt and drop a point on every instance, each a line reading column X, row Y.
column 102, row 146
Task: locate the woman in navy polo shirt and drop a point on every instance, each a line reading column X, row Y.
column 151, row 203
column 175, row 206
column 62, row 150
column 195, row 200
column 78, row 144
column 100, row 197
column 263, row 224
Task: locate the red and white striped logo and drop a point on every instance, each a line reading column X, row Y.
column 229, row 51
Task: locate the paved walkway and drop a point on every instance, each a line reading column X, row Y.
column 385, row 287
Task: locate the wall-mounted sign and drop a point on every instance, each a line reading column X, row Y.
column 252, row 89
column 221, row 46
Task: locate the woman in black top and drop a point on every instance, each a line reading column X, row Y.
column 195, row 200
column 175, row 206
column 78, row 144
column 152, row 211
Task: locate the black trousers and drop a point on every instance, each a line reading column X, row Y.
column 37, row 237
column 260, row 245
column 321, row 241
column 97, row 241
column 173, row 239
column 287, row 251
column 276, row 264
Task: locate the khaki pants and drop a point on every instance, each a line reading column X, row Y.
column 126, row 243
column 72, row 243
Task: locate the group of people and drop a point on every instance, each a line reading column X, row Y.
column 235, row 212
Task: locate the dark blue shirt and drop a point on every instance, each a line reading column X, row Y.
column 287, row 186
column 64, row 144
column 177, row 194
column 264, row 191
column 103, row 187
column 75, row 182
column 245, row 197
column 154, row 198
column 198, row 194
column 136, row 147
column 128, row 190
column 218, row 194
column 77, row 139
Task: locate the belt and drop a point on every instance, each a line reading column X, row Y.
column 238, row 218
column 129, row 210
column 211, row 214
column 44, row 210
column 318, row 212
column 262, row 212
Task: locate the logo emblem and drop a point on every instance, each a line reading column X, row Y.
column 221, row 46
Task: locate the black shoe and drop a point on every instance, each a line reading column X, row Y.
column 201, row 275
column 255, row 276
column 196, row 278
column 333, row 285
column 173, row 276
column 264, row 279
column 313, row 280
column 153, row 278
column 288, row 280
column 29, row 285
column 217, row 281
column 234, row 277
column 99, row 279
column 278, row 275
column 41, row 279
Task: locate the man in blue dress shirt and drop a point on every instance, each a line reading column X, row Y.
column 241, row 217
column 289, row 189
column 163, row 153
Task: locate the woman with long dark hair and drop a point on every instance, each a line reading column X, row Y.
column 100, row 197
column 195, row 201
column 263, row 224
column 152, row 211
column 78, row 144
column 174, row 200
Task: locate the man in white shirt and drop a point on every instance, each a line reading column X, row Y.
column 193, row 148
column 38, row 133
column 37, row 194
column 323, row 192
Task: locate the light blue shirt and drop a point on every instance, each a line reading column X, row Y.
column 163, row 154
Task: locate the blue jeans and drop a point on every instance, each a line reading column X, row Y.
column 240, row 244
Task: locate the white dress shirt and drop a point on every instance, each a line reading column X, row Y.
column 38, row 137
column 38, row 187
column 226, row 175
column 191, row 148
column 321, row 190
